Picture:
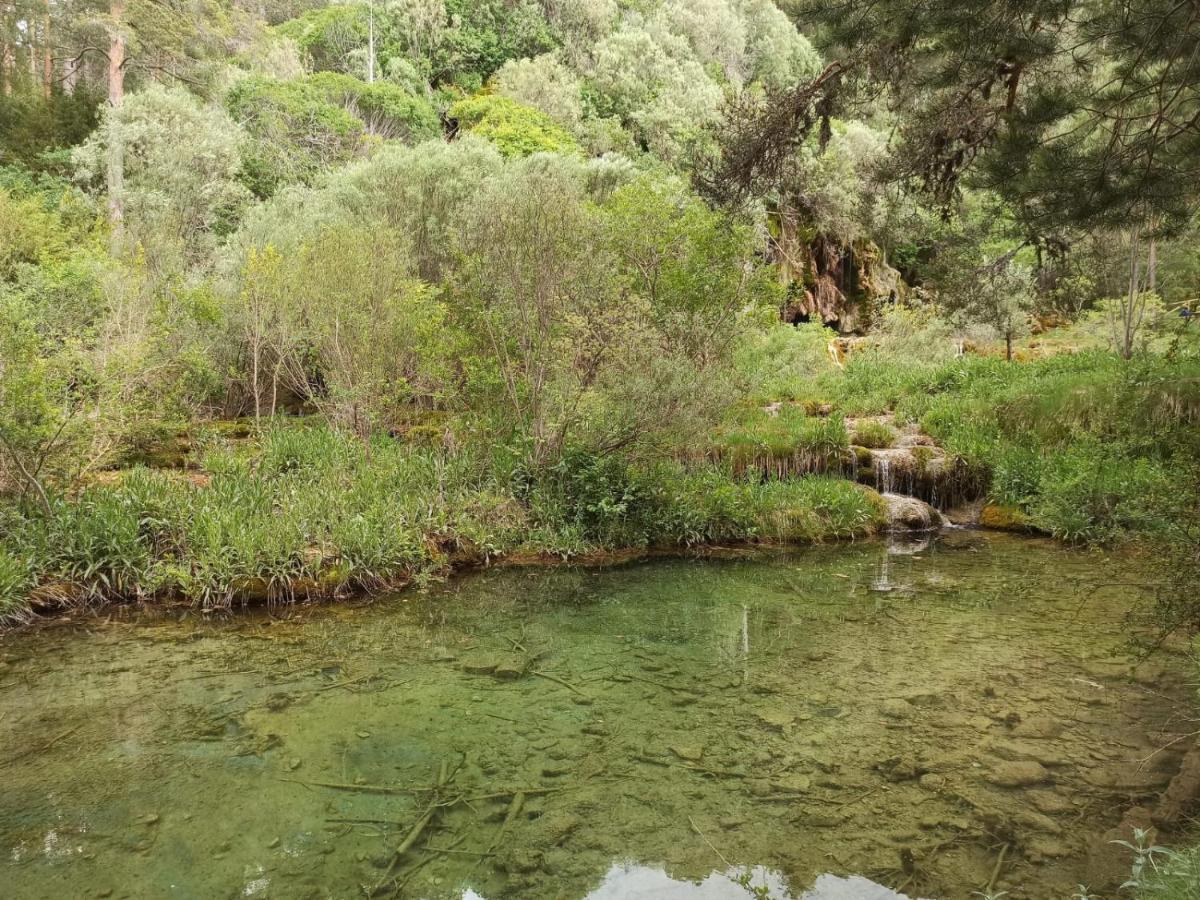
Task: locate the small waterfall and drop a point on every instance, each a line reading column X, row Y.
column 883, row 474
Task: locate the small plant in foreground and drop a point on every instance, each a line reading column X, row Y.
column 1144, row 854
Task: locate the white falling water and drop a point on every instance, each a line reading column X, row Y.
column 883, row 474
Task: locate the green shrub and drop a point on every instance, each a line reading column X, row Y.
column 515, row 129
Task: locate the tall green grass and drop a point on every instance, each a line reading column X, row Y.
column 315, row 512
column 1091, row 446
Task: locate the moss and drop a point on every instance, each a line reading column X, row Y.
column 922, row 456
column 426, row 435
column 1005, row 518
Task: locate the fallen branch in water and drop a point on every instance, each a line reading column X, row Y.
column 540, row 674
column 996, row 871
column 660, row 684
column 435, row 805
column 696, row 828
column 361, row 788
column 720, row 773
column 43, row 748
column 514, row 809
column 501, row 795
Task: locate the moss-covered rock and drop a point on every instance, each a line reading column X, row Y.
column 1005, row 518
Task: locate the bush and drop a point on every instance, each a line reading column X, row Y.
column 515, row 129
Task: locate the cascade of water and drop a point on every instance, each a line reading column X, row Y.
column 883, row 474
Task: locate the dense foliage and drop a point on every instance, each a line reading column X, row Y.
column 451, row 249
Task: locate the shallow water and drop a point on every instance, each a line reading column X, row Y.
column 802, row 721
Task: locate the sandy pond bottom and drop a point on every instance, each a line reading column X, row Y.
column 804, row 721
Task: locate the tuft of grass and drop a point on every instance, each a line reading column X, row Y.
column 16, row 580
column 784, row 443
column 873, row 435
column 816, row 508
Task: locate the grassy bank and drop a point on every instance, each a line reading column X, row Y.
column 1085, row 446
column 310, row 511
column 1090, row 447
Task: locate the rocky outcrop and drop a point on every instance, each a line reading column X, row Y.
column 915, row 466
column 839, row 285
column 910, row 514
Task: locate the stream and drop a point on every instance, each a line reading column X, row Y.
column 845, row 721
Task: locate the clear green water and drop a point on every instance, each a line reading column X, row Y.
column 840, row 709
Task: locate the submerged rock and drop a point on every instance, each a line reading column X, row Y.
column 896, row 708
column 775, row 719
column 1017, row 774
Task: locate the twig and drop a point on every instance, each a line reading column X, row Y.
column 996, row 871
column 556, row 679
column 514, row 809
column 361, row 788
column 660, row 684
column 43, row 748
column 500, row 795
column 655, row 761
column 859, row 797
column 696, row 828
column 443, row 777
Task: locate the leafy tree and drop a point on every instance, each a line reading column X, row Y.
column 305, row 127
column 421, row 192
column 485, row 34
column 1082, row 113
column 515, row 129
column 181, row 163
column 341, row 323
column 653, row 83
column 545, row 84
column 694, row 266
column 386, row 110
column 35, row 130
column 329, row 36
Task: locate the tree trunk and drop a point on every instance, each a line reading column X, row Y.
column 371, row 43
column 1152, row 267
column 47, row 57
column 1008, row 346
column 116, row 143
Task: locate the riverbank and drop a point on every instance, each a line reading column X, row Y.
column 1085, row 447
column 308, row 512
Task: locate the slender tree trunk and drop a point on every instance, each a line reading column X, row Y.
column 47, row 56
column 1152, row 267
column 116, row 142
column 1008, row 346
column 371, row 43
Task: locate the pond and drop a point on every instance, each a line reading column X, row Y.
column 819, row 723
